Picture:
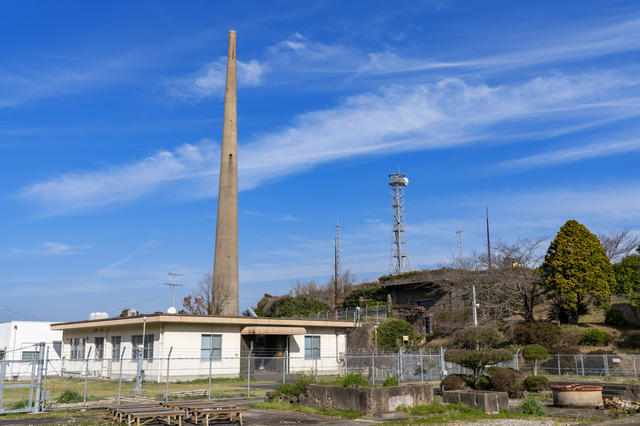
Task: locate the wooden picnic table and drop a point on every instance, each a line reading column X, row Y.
column 149, row 415
column 208, row 412
column 113, row 409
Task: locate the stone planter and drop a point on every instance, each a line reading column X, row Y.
column 577, row 396
column 364, row 399
column 489, row 401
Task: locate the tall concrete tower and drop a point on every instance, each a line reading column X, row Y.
column 225, row 266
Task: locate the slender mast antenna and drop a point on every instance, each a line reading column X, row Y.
column 488, row 241
column 459, row 245
column 399, row 258
column 338, row 267
column 173, row 287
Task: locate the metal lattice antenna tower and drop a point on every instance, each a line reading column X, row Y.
column 459, row 245
column 173, row 287
column 399, row 259
column 338, row 269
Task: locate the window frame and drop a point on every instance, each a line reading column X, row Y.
column 147, row 348
column 116, row 345
column 77, row 348
column 210, row 353
column 311, row 350
column 99, row 347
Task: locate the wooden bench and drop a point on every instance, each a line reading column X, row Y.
column 207, row 413
column 147, row 415
column 114, row 409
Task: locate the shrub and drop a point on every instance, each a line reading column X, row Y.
column 391, row 331
column 630, row 340
column 468, row 379
column 508, row 380
column 539, row 333
column 602, row 352
column 477, row 360
column 391, row 381
column 484, row 383
column 532, row 407
column 534, row 351
column 69, row 396
column 595, row 337
column 355, row 379
column 492, row 370
column 568, row 350
column 536, row 383
column 453, row 382
column 478, row 338
column 297, row 388
column 615, row 317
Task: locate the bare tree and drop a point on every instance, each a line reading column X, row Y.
column 618, row 244
column 209, row 298
column 325, row 292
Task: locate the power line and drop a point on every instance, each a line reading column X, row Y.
column 18, row 313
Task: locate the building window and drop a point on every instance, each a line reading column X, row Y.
column 148, row 346
column 211, row 347
column 115, row 347
column 77, row 348
column 311, row 347
column 99, row 347
column 29, row 355
column 426, row 303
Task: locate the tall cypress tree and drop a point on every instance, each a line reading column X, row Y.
column 577, row 270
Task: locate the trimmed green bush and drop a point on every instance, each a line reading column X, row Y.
column 532, row 407
column 615, row 317
column 595, row 337
column 508, row 380
column 536, row 383
column 453, row 382
column 493, row 369
column 484, row 383
column 391, row 381
column 534, row 352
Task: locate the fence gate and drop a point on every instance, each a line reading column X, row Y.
column 20, row 380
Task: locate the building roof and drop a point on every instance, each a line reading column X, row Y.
column 200, row 319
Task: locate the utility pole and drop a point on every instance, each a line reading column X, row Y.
column 475, row 308
column 459, row 245
column 488, row 242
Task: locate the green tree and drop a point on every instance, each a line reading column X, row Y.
column 628, row 280
column 577, row 270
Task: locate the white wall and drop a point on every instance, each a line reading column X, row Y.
column 20, row 336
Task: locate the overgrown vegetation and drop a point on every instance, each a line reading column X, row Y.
column 287, row 406
column 391, row 332
column 390, row 381
column 288, row 306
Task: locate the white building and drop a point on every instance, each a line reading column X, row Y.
column 18, row 340
column 195, row 345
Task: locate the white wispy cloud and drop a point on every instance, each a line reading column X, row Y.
column 113, row 185
column 63, row 249
column 448, row 113
column 210, row 80
column 569, row 155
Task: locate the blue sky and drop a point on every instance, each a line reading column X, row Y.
column 110, row 124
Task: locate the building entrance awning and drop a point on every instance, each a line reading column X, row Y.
column 280, row 331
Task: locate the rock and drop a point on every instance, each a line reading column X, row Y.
column 271, row 394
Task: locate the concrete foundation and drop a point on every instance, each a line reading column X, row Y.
column 367, row 400
column 490, row 402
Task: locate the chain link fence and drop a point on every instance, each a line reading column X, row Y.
column 49, row 384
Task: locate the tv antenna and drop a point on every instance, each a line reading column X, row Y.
column 173, row 287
